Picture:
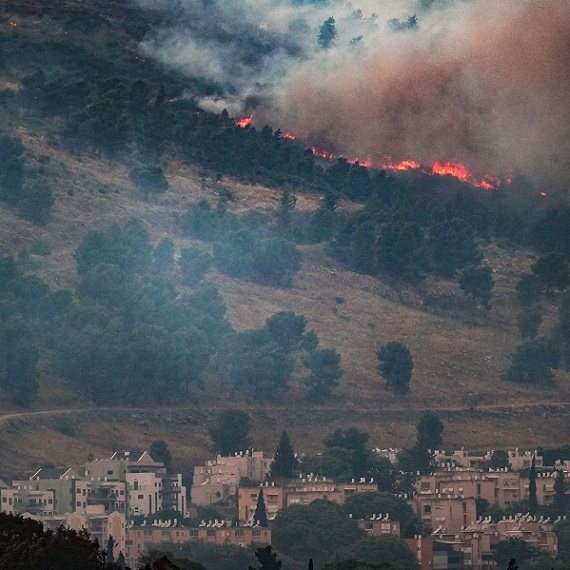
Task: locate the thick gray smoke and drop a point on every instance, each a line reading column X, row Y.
column 484, row 82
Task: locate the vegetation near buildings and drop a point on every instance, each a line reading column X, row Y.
column 230, row 432
column 260, row 515
column 159, row 452
column 316, row 531
column 395, row 364
column 284, row 460
column 389, row 550
column 429, row 432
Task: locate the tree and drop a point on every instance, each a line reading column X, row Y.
column 514, row 548
column 24, row 545
column 453, row 247
column 333, row 462
column 529, row 320
column 260, row 515
column 499, row 459
column 327, row 33
column 388, row 549
column 533, row 361
column 362, row 505
column 284, row 461
column 194, row 264
column 267, row 559
column 532, row 499
column 552, row 270
column 286, row 329
column 478, row 282
column 159, row 452
column 528, row 290
column 402, row 251
column 287, row 204
column 36, row 205
column 230, row 432
column 429, row 431
column 395, row 364
column 354, row 440
column 324, row 364
column 149, row 179
column 163, row 256
column 560, row 498
column 276, row 260
column 316, row 530
column 11, row 170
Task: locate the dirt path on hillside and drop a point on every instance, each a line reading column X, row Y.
column 534, row 406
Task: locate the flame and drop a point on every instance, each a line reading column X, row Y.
column 245, row 122
column 543, row 195
column 13, row 24
column 449, row 168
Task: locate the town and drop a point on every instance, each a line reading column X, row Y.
column 136, row 502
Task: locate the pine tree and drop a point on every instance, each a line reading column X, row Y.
column 284, row 463
column 260, row 515
column 532, row 500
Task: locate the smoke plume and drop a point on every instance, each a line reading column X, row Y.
column 482, row 82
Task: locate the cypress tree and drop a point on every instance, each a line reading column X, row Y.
column 260, row 515
column 532, row 500
column 560, row 498
column 284, row 463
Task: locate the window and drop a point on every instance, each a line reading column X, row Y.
column 109, row 472
column 369, row 526
column 211, row 532
column 239, row 532
column 140, row 496
column 426, row 485
column 78, row 503
column 256, row 533
column 194, row 533
column 427, row 509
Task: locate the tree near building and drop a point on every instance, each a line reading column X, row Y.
column 429, row 431
column 388, row 549
column 395, row 364
column 230, row 432
column 159, row 452
column 260, row 515
column 532, row 499
column 267, row 559
column 284, row 461
column 561, row 501
column 324, row 364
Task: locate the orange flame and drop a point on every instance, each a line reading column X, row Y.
column 245, row 122
column 449, row 168
column 14, row 24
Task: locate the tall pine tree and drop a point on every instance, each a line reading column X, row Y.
column 260, row 515
column 560, row 497
column 532, row 500
column 284, row 463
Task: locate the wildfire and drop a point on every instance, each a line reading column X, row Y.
column 13, row 24
column 245, row 122
column 454, row 169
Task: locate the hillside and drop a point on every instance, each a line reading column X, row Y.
column 460, row 351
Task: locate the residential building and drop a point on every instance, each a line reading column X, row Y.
column 17, row 501
column 450, row 512
column 379, row 525
column 219, row 479
column 301, row 491
column 98, row 523
column 141, row 538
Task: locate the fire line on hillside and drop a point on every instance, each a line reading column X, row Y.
column 448, row 168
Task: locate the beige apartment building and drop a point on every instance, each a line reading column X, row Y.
column 219, row 479
column 141, row 538
column 17, row 501
column 379, row 525
column 500, row 487
column 98, row 523
column 471, row 547
column 449, row 512
column 302, row 491
column 518, row 459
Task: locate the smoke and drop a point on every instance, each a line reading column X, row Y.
column 481, row 82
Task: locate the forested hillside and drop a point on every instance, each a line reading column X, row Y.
column 155, row 255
